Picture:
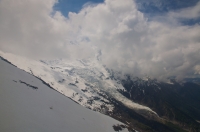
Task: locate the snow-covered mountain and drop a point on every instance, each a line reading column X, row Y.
column 144, row 104
column 85, row 81
column 27, row 104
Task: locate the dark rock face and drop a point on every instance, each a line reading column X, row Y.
column 34, row 87
column 178, row 104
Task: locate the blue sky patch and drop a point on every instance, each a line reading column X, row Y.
column 66, row 6
column 150, row 8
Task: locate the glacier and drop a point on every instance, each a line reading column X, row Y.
column 29, row 105
column 87, row 82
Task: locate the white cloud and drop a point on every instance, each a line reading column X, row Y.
column 128, row 41
column 34, row 29
column 187, row 13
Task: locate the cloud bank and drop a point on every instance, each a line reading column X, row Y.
column 129, row 42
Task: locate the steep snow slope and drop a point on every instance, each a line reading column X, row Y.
column 29, row 105
column 85, row 81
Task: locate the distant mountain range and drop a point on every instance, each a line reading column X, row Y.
column 143, row 104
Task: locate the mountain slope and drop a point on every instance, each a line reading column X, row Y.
column 178, row 103
column 144, row 104
column 29, row 105
column 85, row 81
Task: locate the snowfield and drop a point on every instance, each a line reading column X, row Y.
column 87, row 82
column 27, row 105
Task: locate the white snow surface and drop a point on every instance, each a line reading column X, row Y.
column 80, row 80
column 27, row 109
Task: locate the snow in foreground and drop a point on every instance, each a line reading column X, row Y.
column 29, row 105
column 80, row 80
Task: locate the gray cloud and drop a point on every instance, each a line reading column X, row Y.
column 128, row 41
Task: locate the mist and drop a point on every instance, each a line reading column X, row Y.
column 129, row 42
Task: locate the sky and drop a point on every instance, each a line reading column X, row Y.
column 66, row 6
column 157, row 38
column 150, row 8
